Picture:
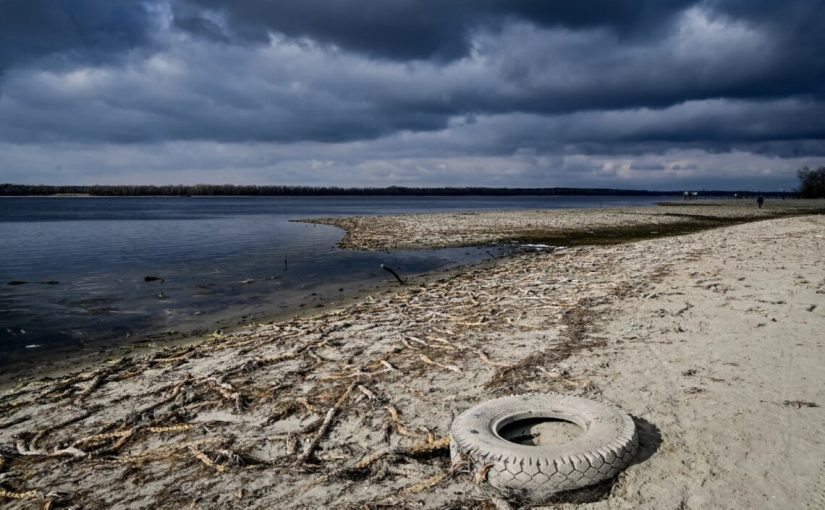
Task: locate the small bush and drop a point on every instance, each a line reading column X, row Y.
column 812, row 182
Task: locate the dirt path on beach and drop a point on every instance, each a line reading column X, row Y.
column 712, row 341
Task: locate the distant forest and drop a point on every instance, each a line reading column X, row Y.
column 233, row 190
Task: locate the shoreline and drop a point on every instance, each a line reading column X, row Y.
column 577, row 226
column 62, row 362
column 234, row 421
column 551, row 227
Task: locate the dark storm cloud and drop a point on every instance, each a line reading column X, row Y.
column 546, row 58
column 554, row 57
column 87, row 29
column 436, row 29
column 797, row 29
column 793, row 128
column 274, row 95
column 423, row 29
column 398, row 82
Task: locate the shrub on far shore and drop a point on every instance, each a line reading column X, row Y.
column 812, row 182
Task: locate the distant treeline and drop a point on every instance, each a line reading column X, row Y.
column 233, row 190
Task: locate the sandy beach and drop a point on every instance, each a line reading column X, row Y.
column 712, row 341
column 579, row 226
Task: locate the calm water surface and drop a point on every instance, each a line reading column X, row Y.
column 84, row 261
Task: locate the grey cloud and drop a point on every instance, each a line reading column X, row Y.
column 411, row 91
column 687, row 166
column 647, row 166
column 424, row 29
column 443, row 30
column 287, row 93
column 175, row 96
column 90, row 30
column 394, row 28
column 359, row 164
column 783, row 127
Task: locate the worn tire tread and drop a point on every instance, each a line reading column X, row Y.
column 550, row 475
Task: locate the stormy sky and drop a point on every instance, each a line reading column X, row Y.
column 652, row 94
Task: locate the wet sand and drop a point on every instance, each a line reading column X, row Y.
column 711, row 340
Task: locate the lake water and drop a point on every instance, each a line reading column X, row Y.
column 73, row 271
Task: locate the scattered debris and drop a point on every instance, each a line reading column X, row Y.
column 325, row 426
column 799, row 404
column 360, row 393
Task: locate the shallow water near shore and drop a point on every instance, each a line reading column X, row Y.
column 77, row 274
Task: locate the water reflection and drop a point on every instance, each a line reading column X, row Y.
column 79, row 266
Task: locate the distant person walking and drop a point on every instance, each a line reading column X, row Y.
column 760, row 200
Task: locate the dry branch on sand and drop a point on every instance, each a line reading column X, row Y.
column 290, row 372
column 33, row 494
column 411, row 451
column 326, row 424
column 204, row 458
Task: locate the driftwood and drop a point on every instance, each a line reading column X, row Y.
column 389, row 270
column 429, row 483
column 369, row 359
column 326, row 424
column 33, row 494
column 201, row 456
column 410, row 451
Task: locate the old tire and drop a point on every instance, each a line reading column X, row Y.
column 535, row 473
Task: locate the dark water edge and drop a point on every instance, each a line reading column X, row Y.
column 60, row 360
column 158, row 312
column 80, row 266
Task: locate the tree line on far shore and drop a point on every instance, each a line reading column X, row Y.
column 235, row 190
column 812, row 182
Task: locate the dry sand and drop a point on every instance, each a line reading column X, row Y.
column 712, row 341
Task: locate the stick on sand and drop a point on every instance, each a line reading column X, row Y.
column 385, row 268
column 307, row 453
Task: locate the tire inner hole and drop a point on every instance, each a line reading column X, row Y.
column 540, row 431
